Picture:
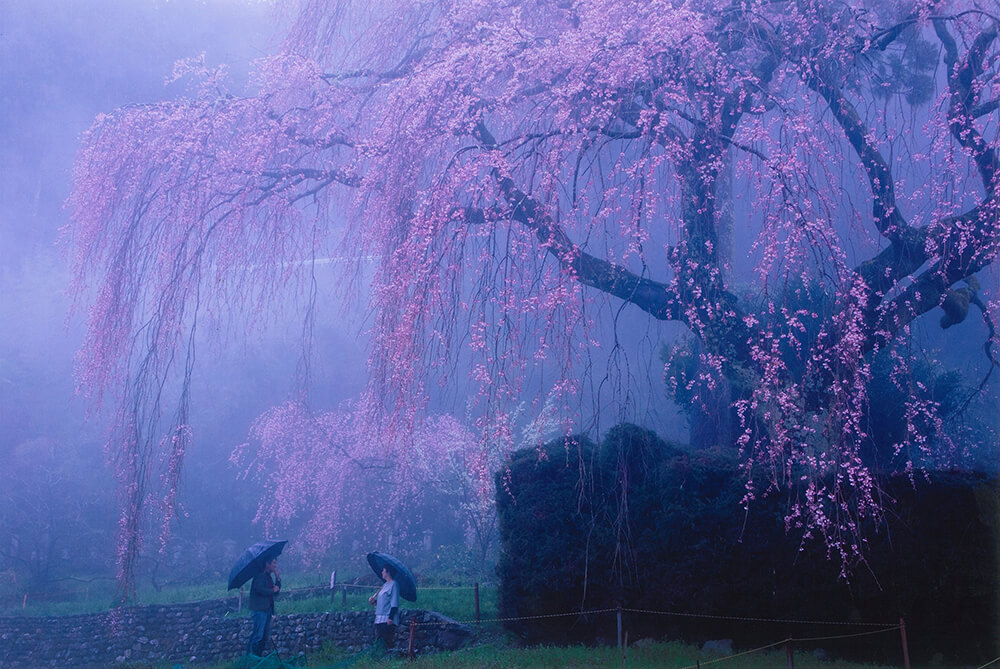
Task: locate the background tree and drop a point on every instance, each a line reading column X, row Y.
column 324, row 474
column 512, row 167
column 450, row 463
column 53, row 516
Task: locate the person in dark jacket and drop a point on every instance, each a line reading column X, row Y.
column 263, row 589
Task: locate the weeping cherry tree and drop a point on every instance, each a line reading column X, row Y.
column 516, row 170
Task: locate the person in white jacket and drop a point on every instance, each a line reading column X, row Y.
column 386, row 603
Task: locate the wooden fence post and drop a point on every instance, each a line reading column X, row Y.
column 477, row 602
column 790, row 661
column 413, row 635
column 619, row 625
column 906, row 649
column 343, row 595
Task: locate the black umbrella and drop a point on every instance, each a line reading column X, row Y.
column 253, row 560
column 407, row 584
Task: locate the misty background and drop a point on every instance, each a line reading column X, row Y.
column 63, row 63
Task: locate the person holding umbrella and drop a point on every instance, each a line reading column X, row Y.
column 399, row 582
column 263, row 589
column 259, row 562
column 386, row 603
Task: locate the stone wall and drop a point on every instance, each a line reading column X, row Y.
column 199, row 632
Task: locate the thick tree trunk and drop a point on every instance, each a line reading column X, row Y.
column 712, row 419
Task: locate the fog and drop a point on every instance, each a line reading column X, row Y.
column 64, row 62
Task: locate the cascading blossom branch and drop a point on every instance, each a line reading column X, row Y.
column 324, row 473
column 520, row 171
column 169, row 223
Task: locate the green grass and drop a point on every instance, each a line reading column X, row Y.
column 500, row 655
column 95, row 597
column 99, row 598
column 79, row 598
column 456, row 603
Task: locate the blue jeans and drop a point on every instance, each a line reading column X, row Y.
column 261, row 632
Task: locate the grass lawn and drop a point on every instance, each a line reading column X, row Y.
column 455, row 602
column 500, row 654
column 97, row 596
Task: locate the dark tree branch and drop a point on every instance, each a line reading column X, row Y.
column 897, row 261
column 709, row 310
column 965, row 245
column 961, row 115
column 888, row 220
column 413, row 56
column 287, row 177
column 984, row 108
column 908, row 250
column 653, row 297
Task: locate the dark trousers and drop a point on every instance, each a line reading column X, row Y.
column 260, row 635
column 387, row 633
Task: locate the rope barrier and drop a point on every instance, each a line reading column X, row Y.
column 756, row 620
column 882, row 626
column 730, row 657
column 500, row 620
column 789, row 640
column 845, row 636
column 989, row 663
column 784, row 621
column 319, row 589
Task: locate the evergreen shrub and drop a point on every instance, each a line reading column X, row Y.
column 639, row 521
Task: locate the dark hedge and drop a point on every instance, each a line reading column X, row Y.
column 642, row 522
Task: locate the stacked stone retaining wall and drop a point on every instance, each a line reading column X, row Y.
column 198, row 632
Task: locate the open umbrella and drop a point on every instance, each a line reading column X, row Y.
column 407, row 584
column 252, row 561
